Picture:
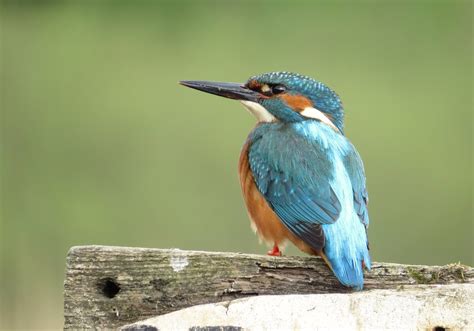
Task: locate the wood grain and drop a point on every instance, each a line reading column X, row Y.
column 108, row 287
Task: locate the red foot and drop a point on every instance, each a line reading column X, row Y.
column 275, row 251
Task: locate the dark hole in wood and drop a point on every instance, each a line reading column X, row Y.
column 109, row 287
column 439, row 328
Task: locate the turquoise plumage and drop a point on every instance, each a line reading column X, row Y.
column 310, row 181
column 301, row 177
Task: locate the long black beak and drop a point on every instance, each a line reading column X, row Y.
column 227, row 90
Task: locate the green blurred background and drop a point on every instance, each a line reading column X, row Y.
column 100, row 145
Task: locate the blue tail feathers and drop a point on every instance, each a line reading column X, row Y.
column 347, row 251
column 349, row 271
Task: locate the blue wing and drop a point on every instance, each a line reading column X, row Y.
column 294, row 176
column 355, row 168
column 314, row 180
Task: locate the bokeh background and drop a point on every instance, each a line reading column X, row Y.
column 100, row 145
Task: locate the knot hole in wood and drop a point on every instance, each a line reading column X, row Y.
column 108, row 287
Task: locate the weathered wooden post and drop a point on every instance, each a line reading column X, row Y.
column 110, row 287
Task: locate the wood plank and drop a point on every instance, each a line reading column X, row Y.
column 108, row 287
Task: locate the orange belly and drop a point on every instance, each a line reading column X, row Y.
column 265, row 221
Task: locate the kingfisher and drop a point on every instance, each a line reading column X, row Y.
column 302, row 180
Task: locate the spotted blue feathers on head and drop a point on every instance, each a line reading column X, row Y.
column 320, row 96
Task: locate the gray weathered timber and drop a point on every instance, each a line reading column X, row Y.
column 107, row 287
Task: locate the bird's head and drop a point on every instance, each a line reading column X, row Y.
column 281, row 96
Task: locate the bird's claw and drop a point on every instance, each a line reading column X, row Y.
column 275, row 251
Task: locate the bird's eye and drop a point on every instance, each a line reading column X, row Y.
column 277, row 89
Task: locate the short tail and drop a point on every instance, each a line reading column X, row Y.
column 347, row 250
column 349, row 271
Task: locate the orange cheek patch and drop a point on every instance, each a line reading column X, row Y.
column 297, row 102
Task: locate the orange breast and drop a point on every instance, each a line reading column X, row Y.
column 264, row 220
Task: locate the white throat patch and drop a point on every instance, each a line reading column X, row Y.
column 319, row 115
column 258, row 111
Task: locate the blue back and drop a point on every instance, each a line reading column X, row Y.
column 314, row 180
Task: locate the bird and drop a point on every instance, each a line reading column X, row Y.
column 302, row 179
